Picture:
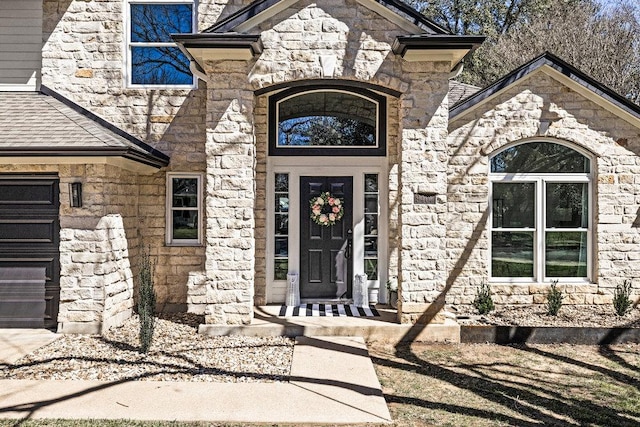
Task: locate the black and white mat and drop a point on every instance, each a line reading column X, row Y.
column 327, row 310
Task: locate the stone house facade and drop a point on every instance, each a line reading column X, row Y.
column 214, row 164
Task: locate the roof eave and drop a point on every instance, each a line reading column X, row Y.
column 427, row 47
column 123, row 157
column 228, row 46
column 562, row 71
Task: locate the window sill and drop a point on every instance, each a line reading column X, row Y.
column 183, row 244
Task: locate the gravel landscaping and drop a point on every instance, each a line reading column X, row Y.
column 178, row 353
column 536, row 315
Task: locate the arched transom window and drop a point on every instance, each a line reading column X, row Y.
column 327, row 121
column 540, row 213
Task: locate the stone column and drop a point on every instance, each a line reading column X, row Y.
column 230, row 194
column 423, row 192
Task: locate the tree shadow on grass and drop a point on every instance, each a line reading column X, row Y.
column 608, row 352
column 542, row 405
column 613, row 374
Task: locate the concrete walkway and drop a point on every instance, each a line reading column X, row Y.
column 332, row 381
column 16, row 343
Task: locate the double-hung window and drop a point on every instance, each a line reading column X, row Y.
column 540, row 213
column 153, row 59
column 184, row 209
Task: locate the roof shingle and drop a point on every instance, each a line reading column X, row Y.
column 46, row 123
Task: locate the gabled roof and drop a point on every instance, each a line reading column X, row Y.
column 260, row 10
column 235, row 37
column 565, row 74
column 46, row 124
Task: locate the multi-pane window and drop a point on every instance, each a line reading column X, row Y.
column 184, row 209
column 540, row 225
column 281, row 216
column 153, row 58
column 371, row 221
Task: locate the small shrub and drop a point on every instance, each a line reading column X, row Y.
column 146, row 302
column 622, row 298
column 483, row 301
column 554, row 299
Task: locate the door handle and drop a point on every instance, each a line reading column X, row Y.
column 347, row 251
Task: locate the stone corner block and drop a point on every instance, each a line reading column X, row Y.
column 91, row 328
column 421, row 313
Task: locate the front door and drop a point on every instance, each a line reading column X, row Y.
column 325, row 262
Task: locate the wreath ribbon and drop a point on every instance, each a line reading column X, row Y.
column 326, row 209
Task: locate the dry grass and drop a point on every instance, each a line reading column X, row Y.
column 489, row 385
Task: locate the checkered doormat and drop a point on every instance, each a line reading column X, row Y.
column 328, row 310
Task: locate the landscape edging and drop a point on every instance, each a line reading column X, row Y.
column 476, row 334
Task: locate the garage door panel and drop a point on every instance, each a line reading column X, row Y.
column 49, row 264
column 22, row 296
column 29, row 192
column 30, row 238
column 28, row 231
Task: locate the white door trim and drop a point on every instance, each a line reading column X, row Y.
column 355, row 167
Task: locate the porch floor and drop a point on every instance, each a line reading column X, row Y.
column 268, row 322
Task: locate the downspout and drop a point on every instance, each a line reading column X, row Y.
column 197, row 71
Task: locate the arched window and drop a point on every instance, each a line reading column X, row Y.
column 540, row 213
column 327, row 122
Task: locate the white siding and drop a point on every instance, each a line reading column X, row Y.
column 20, row 44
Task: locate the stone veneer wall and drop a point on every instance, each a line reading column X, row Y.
column 97, row 243
column 299, row 43
column 572, row 118
column 230, row 195
column 423, row 171
column 83, row 59
column 96, row 277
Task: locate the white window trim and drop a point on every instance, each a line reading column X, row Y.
column 540, row 228
column 170, row 241
column 126, row 71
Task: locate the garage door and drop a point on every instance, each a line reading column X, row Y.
column 29, row 244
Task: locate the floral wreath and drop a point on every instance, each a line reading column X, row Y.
column 326, row 209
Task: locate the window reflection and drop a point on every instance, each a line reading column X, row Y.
column 567, row 205
column 327, row 119
column 514, row 205
column 371, row 219
column 540, row 215
column 539, row 157
column 184, row 210
column 512, row 254
column 566, row 254
column 281, row 226
column 155, row 59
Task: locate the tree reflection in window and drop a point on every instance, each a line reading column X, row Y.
column 540, row 212
column 327, row 118
column 184, row 209
column 539, row 157
column 155, row 59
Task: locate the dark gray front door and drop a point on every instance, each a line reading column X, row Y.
column 29, row 243
column 325, row 272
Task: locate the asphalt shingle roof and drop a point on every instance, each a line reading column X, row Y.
column 41, row 122
column 459, row 91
